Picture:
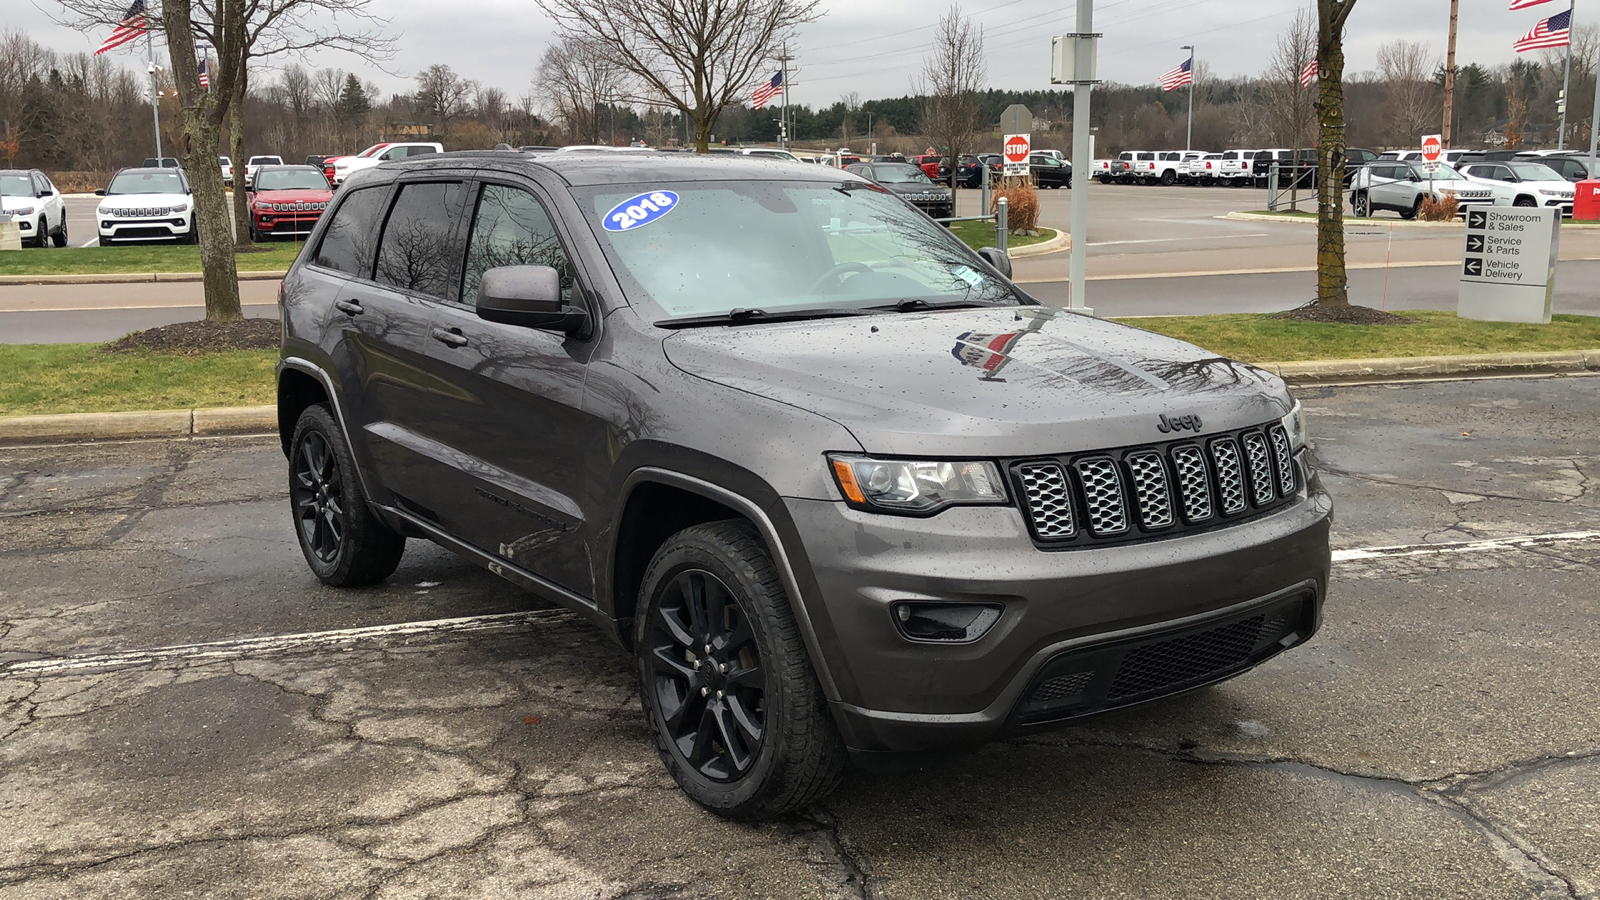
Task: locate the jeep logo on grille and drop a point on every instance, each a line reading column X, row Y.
column 1179, row 423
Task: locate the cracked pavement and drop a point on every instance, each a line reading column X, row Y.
column 1437, row 739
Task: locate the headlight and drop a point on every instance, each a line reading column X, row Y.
column 1295, row 425
column 24, row 211
column 264, row 207
column 911, row 486
column 181, row 208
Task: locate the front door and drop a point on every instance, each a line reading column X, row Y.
column 515, row 420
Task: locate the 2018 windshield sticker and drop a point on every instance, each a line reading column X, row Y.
column 641, row 210
column 967, row 274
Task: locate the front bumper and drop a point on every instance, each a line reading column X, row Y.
column 286, row 223
column 165, row 228
column 1077, row 626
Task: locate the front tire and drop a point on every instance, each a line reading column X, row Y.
column 344, row 543
column 1413, row 212
column 60, row 237
column 41, row 233
column 1525, row 202
column 1361, row 205
column 728, row 691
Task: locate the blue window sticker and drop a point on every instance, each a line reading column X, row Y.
column 635, row 212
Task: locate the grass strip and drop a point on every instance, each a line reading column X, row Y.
column 45, row 379
column 978, row 235
column 1261, row 338
column 137, row 258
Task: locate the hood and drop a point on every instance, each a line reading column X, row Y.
column 142, row 201
column 1015, row 381
column 915, row 188
column 299, row 195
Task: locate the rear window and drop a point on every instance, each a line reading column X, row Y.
column 347, row 244
column 420, row 250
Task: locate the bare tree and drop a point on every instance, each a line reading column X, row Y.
column 1333, row 282
column 573, row 79
column 695, row 55
column 1290, row 113
column 1412, row 100
column 953, row 77
column 443, row 94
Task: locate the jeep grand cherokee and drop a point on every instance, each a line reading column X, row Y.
column 840, row 487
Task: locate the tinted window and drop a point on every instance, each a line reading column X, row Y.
column 420, row 250
column 347, row 244
column 146, row 183
column 511, row 228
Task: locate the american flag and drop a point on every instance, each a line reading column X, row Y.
column 767, row 91
column 1555, row 31
column 1308, row 73
column 1178, row 77
column 1524, row 4
column 205, row 79
column 132, row 25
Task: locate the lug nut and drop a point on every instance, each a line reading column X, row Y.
column 705, row 691
column 720, row 695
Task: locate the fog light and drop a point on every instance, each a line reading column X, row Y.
column 952, row 623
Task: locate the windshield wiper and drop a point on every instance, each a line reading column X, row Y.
column 741, row 316
column 911, row 304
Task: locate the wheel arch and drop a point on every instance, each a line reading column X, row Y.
column 298, row 390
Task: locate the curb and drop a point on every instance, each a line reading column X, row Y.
column 132, row 277
column 172, row 423
column 186, row 423
column 1062, row 241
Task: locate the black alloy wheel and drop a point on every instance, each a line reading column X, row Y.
column 708, row 679
column 1525, row 202
column 344, row 542
column 737, row 713
column 318, row 488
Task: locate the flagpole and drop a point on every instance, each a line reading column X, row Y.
column 1188, row 137
column 1566, row 81
column 155, row 95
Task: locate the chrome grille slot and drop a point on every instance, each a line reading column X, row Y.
column 1102, row 496
column 1230, row 476
column 1151, row 495
column 1194, row 482
column 1049, row 500
column 1284, row 459
column 1262, row 490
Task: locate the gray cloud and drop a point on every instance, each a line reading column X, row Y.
column 875, row 47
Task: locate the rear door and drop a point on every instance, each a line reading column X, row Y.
column 511, row 410
column 389, row 313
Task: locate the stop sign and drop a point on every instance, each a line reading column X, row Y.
column 1016, row 148
column 1432, row 146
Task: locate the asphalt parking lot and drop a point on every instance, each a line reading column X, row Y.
column 185, row 711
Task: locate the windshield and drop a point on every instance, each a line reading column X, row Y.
column 291, row 180
column 707, row 248
column 266, row 161
column 898, row 173
column 1536, row 172
column 16, row 186
column 1444, row 173
column 146, row 183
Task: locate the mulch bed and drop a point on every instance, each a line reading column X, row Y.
column 1342, row 315
column 203, row 337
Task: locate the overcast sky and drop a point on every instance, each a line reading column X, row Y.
column 875, row 47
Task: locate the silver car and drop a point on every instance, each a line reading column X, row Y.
column 1402, row 186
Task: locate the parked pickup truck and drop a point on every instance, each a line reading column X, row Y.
column 1192, row 167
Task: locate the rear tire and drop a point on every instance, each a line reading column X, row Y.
column 1167, row 178
column 728, row 691
column 1413, row 212
column 344, row 543
column 60, row 237
column 1361, row 205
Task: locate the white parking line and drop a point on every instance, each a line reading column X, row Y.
column 313, row 640
column 89, row 243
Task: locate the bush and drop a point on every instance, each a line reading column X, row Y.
column 80, row 182
column 1438, row 210
column 1022, row 206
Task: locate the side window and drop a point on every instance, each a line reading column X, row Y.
column 420, row 250
column 1504, row 173
column 511, row 228
column 393, row 153
column 353, row 233
column 420, row 151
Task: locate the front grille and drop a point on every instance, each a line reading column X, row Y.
column 1153, row 491
column 1061, row 686
column 298, row 206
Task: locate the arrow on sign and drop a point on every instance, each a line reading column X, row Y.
column 1477, row 218
column 1475, row 243
column 1474, row 267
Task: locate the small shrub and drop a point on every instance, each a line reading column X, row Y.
column 1022, row 206
column 1438, row 210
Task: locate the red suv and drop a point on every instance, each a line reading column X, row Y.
column 287, row 200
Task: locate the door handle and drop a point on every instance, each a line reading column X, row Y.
column 349, row 307
column 453, row 337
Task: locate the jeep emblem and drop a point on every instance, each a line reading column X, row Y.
column 1179, row 423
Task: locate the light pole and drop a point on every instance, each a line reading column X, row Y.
column 1188, row 137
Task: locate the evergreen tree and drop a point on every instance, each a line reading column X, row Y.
column 353, row 102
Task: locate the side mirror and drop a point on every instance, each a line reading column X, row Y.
column 529, row 296
column 999, row 260
column 100, row 193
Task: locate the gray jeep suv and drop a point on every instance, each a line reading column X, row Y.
column 840, row 487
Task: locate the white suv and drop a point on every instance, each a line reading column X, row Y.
column 146, row 204
column 1402, row 186
column 1517, row 182
column 28, row 198
column 345, row 166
